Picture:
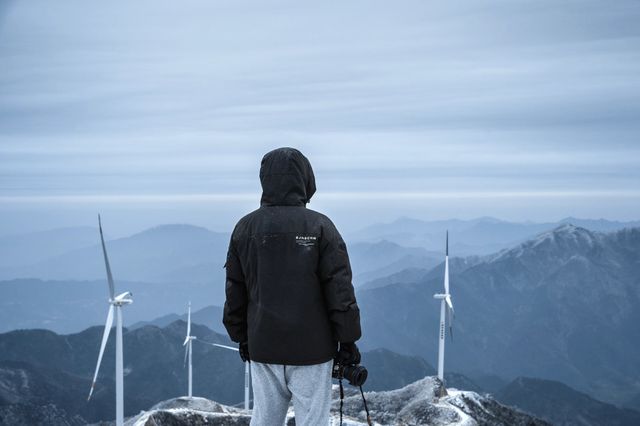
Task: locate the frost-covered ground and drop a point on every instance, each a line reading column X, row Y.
column 415, row 404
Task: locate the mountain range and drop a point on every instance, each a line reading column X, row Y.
column 563, row 306
column 559, row 404
column 45, row 377
column 210, row 316
column 66, row 265
column 560, row 306
column 72, row 306
column 187, row 253
column 484, row 235
column 172, row 255
column 28, row 248
column 163, row 254
column 40, row 368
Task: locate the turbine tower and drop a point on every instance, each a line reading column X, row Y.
column 188, row 350
column 446, row 306
column 116, row 302
column 246, row 373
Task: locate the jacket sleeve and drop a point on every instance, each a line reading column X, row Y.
column 235, row 306
column 335, row 276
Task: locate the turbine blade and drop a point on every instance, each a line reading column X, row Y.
column 219, row 345
column 446, row 266
column 446, row 276
column 189, row 321
column 447, row 249
column 186, row 352
column 186, row 339
column 106, row 262
column 450, row 315
column 449, row 303
column 227, row 347
column 105, row 337
column 224, row 346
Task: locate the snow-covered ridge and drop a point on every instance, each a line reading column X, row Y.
column 190, row 411
column 561, row 236
column 414, row 404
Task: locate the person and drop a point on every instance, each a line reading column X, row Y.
column 290, row 302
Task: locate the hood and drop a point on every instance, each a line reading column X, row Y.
column 287, row 178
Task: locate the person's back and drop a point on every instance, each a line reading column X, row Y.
column 289, row 294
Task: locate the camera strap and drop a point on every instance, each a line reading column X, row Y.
column 341, row 399
column 364, row 400
column 366, row 409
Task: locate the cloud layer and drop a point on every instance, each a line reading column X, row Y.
column 112, row 101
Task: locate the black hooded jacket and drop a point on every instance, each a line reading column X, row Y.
column 289, row 291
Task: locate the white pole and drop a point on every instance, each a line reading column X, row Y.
column 246, row 386
column 190, row 370
column 441, row 343
column 119, row 369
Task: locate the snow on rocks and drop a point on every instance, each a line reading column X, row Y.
column 415, row 404
column 190, row 411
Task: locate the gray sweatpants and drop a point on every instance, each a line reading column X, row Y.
column 274, row 386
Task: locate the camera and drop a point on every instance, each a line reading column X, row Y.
column 355, row 374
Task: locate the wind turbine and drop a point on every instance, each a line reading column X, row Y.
column 116, row 302
column 188, row 350
column 246, row 372
column 445, row 306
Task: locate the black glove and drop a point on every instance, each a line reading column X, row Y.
column 244, row 351
column 348, row 354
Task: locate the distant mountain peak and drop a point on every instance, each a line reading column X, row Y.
column 174, row 227
column 564, row 231
column 384, row 244
column 577, row 233
column 570, row 228
column 488, row 219
column 565, row 227
column 407, row 220
column 563, row 239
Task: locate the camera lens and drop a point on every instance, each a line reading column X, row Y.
column 355, row 374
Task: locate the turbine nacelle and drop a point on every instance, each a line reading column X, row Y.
column 187, row 339
column 447, row 299
column 122, row 299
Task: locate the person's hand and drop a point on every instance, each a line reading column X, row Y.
column 244, row 351
column 348, row 354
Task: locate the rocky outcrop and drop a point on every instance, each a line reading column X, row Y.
column 419, row 404
column 415, row 404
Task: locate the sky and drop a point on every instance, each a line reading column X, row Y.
column 157, row 112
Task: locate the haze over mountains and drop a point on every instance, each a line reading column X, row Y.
column 25, row 249
column 162, row 254
column 180, row 252
column 67, row 275
column 483, row 235
column 561, row 304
